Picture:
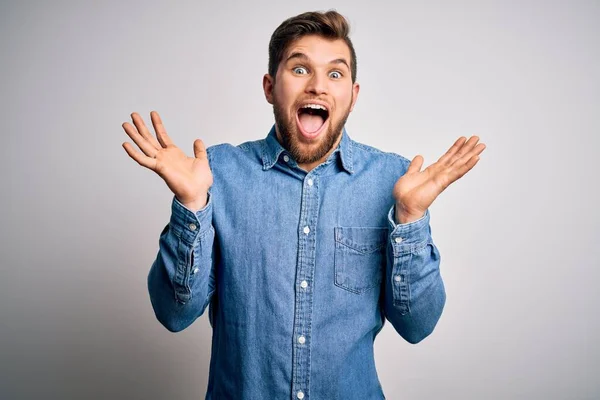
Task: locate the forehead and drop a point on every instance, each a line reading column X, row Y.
column 319, row 49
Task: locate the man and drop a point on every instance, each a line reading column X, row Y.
column 301, row 244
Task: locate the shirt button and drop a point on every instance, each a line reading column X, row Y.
column 301, row 340
column 286, row 158
column 303, row 284
column 300, row 394
column 310, row 182
column 306, row 230
column 398, row 278
column 398, row 240
column 192, row 226
column 195, row 270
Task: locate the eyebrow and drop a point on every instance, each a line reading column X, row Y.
column 304, row 57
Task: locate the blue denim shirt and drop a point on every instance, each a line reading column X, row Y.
column 300, row 271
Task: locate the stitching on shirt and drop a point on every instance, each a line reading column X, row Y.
column 374, row 150
column 211, row 149
column 265, row 156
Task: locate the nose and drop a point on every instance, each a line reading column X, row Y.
column 317, row 85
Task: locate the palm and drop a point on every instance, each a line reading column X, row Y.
column 416, row 190
column 189, row 178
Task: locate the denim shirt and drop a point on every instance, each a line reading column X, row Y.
column 300, row 271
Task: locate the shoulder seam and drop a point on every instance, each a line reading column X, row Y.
column 372, row 149
column 211, row 149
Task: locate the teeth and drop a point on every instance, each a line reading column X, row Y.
column 314, row 106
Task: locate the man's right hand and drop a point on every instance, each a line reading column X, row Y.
column 189, row 178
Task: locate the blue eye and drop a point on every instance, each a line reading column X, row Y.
column 300, row 70
column 335, row 75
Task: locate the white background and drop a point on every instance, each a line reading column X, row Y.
column 80, row 220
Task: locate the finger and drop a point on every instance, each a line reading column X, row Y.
column 415, row 165
column 159, row 128
column 466, row 147
column 138, row 139
column 453, row 149
column 459, row 172
column 140, row 158
column 138, row 121
column 199, row 149
column 466, row 157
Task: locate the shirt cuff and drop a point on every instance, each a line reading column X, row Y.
column 187, row 224
column 410, row 236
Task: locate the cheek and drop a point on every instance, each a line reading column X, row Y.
column 285, row 99
column 343, row 103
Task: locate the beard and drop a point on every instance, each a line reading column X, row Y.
column 290, row 134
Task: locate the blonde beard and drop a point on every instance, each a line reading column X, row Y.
column 288, row 135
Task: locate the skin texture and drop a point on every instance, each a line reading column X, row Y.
column 318, row 70
column 416, row 190
column 189, row 178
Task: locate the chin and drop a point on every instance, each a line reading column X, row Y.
column 307, row 145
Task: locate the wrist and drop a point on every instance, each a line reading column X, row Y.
column 404, row 217
column 196, row 205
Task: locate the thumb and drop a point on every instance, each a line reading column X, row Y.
column 415, row 164
column 199, row 149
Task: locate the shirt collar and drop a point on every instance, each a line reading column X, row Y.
column 272, row 149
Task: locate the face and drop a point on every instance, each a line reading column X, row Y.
column 312, row 96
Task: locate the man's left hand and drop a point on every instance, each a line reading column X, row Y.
column 415, row 191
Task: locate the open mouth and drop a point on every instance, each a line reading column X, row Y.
column 312, row 119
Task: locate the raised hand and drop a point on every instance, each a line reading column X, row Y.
column 416, row 190
column 189, row 178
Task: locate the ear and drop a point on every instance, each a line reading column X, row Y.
column 355, row 90
column 268, row 83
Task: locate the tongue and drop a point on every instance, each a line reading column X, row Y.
column 311, row 123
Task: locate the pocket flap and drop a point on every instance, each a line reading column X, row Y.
column 363, row 240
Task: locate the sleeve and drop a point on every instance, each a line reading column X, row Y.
column 414, row 290
column 181, row 280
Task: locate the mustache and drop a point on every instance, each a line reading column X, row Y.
column 298, row 102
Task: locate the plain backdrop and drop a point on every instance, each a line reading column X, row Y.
column 80, row 220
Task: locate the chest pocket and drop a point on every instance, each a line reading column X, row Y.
column 359, row 257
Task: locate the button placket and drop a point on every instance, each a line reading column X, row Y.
column 304, row 297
